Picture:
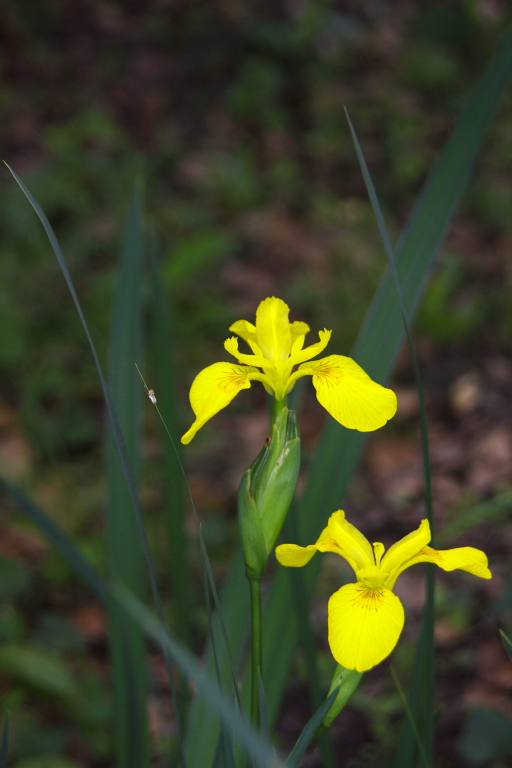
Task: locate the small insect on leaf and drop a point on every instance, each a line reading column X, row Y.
column 152, row 396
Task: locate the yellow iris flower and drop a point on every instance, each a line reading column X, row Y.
column 342, row 387
column 366, row 618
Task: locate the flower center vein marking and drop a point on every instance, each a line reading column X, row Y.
column 370, row 598
column 231, row 383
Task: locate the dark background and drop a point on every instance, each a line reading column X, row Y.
column 232, row 113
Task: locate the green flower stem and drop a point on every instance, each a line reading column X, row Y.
column 277, row 408
column 256, row 647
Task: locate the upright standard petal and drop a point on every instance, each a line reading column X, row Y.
column 231, row 346
column 349, row 394
column 346, row 540
column 401, row 554
column 297, row 329
column 214, row 388
column 364, row 625
column 273, row 330
column 313, row 350
column 247, row 332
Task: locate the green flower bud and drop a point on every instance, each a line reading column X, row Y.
column 251, row 530
column 267, row 490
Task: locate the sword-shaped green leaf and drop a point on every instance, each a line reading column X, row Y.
column 125, row 560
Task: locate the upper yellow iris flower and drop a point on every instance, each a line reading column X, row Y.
column 342, row 387
column 366, row 618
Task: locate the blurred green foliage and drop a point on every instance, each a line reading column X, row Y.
column 487, row 738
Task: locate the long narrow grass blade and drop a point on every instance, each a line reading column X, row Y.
column 224, row 757
column 403, row 309
column 263, row 710
column 260, row 752
column 376, row 349
column 426, row 659
column 67, row 277
column 427, row 664
column 221, row 654
column 112, row 416
column 412, row 719
column 220, row 644
column 308, row 734
column 410, row 741
column 218, row 628
column 507, row 643
column 125, row 560
column 225, row 750
column 113, row 419
column 161, row 347
column 203, row 728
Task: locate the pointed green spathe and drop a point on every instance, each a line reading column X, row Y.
column 267, row 490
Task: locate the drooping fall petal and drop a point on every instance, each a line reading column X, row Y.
column 364, row 625
column 463, row 558
column 349, row 394
column 294, row 556
column 214, row 388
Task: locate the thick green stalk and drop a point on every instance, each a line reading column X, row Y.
column 277, row 408
column 256, row 647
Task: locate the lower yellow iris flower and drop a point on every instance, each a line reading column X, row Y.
column 342, row 387
column 366, row 618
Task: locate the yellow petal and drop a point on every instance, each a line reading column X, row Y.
column 313, row 350
column 346, row 540
column 349, row 394
column 244, row 329
column 247, row 332
column 273, row 329
column 465, row 558
column 340, row 537
column 398, row 556
column 295, row 556
column 213, row 389
column 231, row 346
column 298, row 328
column 364, row 625
column 379, row 550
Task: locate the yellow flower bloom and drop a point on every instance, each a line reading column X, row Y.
column 342, row 387
column 366, row 618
